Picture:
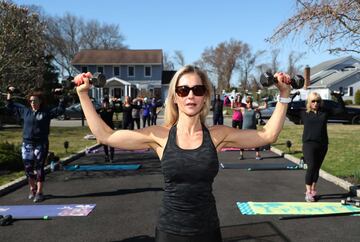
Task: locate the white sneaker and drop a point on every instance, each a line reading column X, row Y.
column 309, row 197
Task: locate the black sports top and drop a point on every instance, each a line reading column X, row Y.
column 188, row 206
column 315, row 127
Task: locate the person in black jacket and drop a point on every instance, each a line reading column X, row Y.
column 35, row 146
column 315, row 139
column 217, row 108
column 106, row 113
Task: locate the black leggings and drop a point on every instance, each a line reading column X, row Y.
column 214, row 236
column 314, row 154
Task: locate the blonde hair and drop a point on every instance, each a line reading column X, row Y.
column 312, row 96
column 171, row 110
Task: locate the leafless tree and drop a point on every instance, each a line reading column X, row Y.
column 168, row 65
column 101, row 36
column 179, row 58
column 22, row 56
column 64, row 38
column 68, row 34
column 275, row 65
column 221, row 61
column 246, row 64
column 332, row 22
column 293, row 60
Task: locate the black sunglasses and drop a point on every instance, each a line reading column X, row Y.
column 315, row 101
column 183, row 91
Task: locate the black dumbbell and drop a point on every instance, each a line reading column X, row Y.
column 98, row 80
column 58, row 91
column 12, row 91
column 6, row 220
column 267, row 79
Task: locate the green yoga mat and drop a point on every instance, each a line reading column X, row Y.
column 294, row 208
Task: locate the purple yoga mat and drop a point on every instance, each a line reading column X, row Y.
column 31, row 211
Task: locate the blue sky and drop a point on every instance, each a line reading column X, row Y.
column 191, row 26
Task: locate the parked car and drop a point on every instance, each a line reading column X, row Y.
column 267, row 112
column 74, row 111
column 349, row 116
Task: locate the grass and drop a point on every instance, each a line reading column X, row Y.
column 344, row 149
column 57, row 137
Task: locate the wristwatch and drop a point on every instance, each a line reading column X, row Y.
column 284, row 100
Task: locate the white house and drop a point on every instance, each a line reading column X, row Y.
column 342, row 74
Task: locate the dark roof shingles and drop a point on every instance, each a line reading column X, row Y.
column 124, row 56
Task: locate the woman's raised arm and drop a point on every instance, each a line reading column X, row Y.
column 229, row 137
column 125, row 139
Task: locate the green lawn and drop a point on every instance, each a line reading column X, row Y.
column 58, row 135
column 342, row 159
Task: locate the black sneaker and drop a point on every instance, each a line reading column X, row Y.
column 39, row 197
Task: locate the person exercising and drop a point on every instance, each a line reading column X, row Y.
column 106, row 113
column 315, row 139
column 187, row 149
column 35, row 144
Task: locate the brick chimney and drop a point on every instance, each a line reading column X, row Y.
column 307, row 76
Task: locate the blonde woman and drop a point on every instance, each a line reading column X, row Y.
column 315, row 140
column 187, row 150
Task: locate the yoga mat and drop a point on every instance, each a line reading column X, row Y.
column 115, row 167
column 253, row 165
column 40, row 211
column 293, row 208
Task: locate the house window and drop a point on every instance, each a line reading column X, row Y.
column 350, row 91
column 116, row 71
column 131, row 71
column 100, row 69
column 147, row 71
column 84, row 69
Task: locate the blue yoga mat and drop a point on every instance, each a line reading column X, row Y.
column 115, row 167
column 39, row 211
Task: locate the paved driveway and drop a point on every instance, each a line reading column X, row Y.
column 127, row 204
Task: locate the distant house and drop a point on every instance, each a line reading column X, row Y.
column 127, row 71
column 342, row 74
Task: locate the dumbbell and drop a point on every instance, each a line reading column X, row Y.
column 337, row 93
column 267, row 79
column 97, row 80
column 12, row 90
column 6, row 220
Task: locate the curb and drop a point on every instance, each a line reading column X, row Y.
column 355, row 190
column 21, row 181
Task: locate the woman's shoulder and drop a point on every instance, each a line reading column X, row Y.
column 218, row 129
column 157, row 129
